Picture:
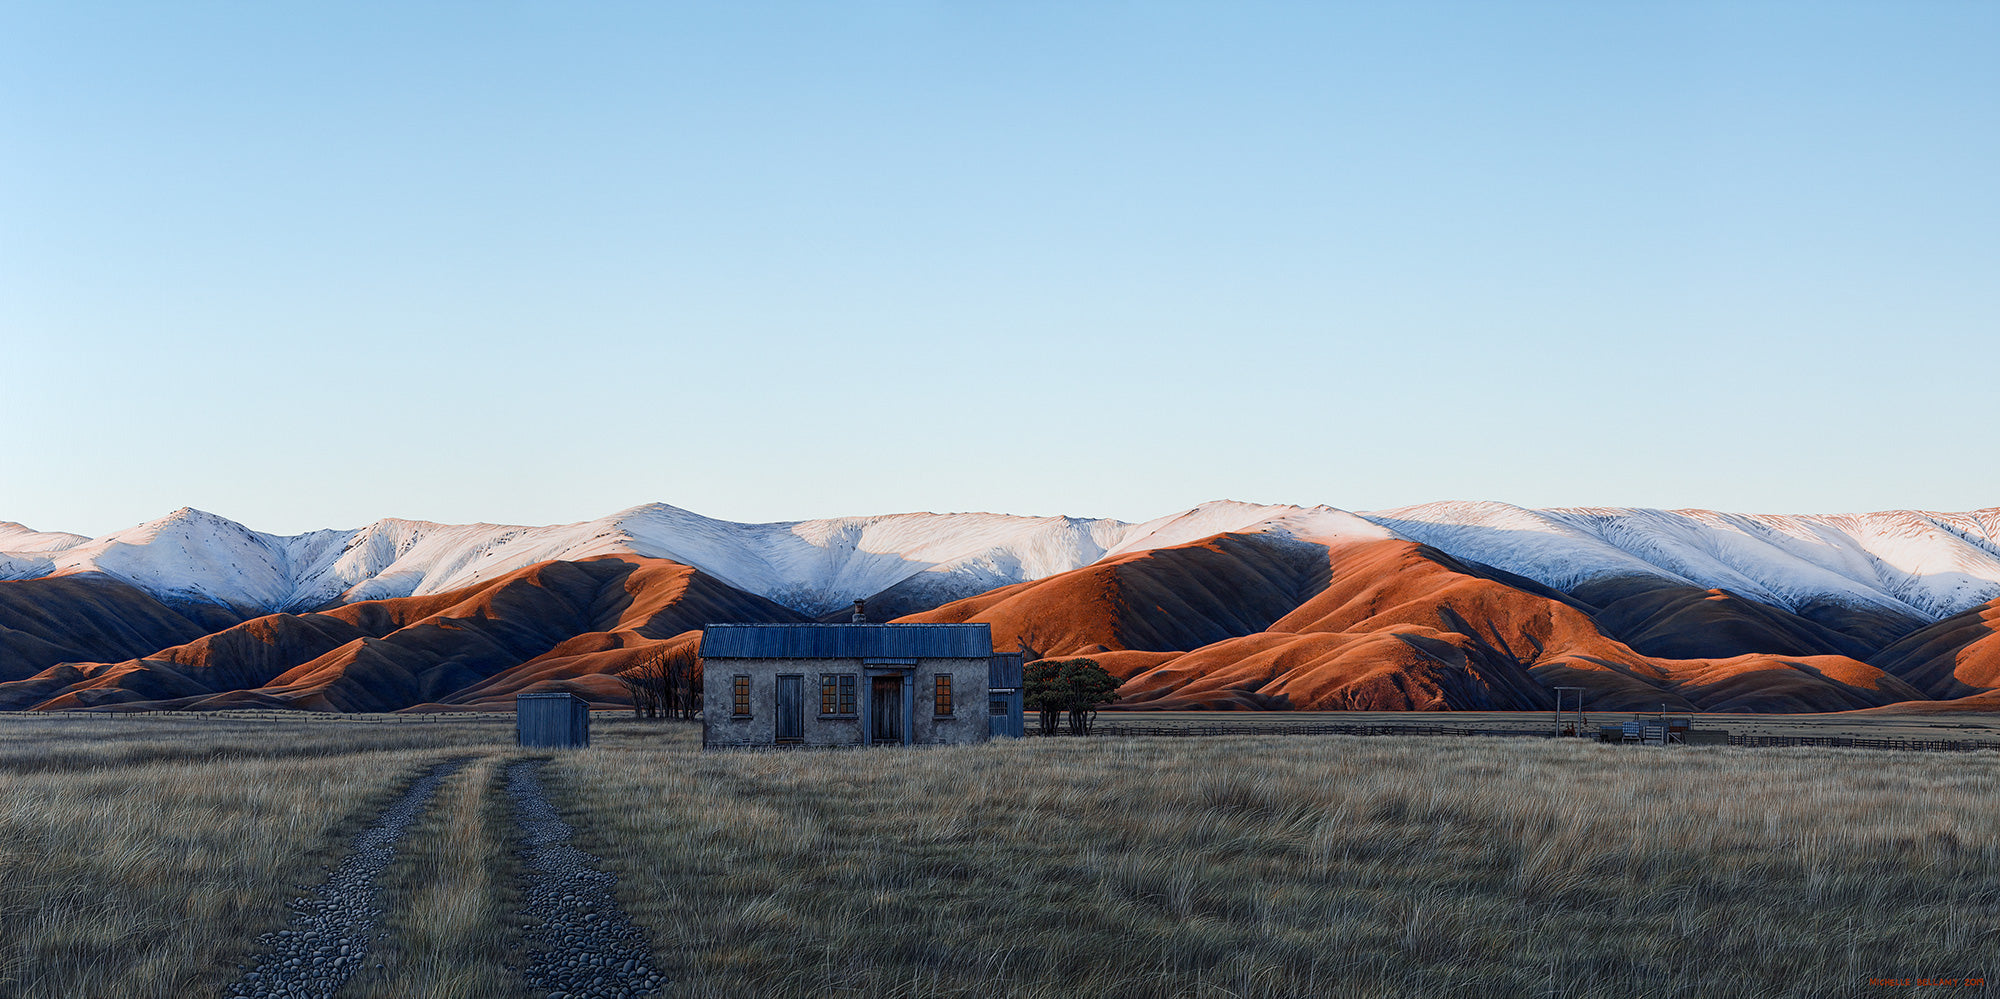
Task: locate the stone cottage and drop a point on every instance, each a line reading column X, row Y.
column 845, row 684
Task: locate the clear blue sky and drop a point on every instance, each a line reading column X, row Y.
column 308, row 265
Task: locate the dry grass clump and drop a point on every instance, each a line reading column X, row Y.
column 143, row 858
column 31, row 741
column 450, row 899
column 1288, row 866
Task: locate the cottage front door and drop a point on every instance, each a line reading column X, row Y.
column 885, row 710
column 791, row 708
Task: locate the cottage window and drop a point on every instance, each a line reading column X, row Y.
column 742, row 695
column 941, row 694
column 836, row 693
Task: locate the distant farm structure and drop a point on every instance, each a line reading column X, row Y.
column 552, row 720
column 856, row 684
column 1004, row 696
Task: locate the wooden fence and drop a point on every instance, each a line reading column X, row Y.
column 274, row 715
column 1314, row 728
column 1857, row 742
column 1122, row 729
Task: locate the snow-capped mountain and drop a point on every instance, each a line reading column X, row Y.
column 1928, row 565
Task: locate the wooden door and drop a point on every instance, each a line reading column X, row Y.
column 885, row 709
column 791, row 708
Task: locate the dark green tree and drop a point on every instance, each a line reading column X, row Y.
column 1076, row 686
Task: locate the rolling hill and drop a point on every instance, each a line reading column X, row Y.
column 1226, row 605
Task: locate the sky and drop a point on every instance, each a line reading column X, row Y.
column 310, row 265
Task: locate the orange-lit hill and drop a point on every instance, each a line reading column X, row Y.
column 1249, row 621
column 1956, row 657
column 555, row 625
column 89, row 617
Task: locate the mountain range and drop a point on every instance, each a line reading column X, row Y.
column 1226, row 605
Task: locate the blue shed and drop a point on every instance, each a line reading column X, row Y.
column 557, row 719
column 1003, row 695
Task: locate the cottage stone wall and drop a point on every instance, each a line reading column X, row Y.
column 967, row 722
column 721, row 727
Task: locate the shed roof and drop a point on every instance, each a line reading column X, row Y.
column 846, row 641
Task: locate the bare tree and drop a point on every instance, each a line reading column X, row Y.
column 666, row 683
column 682, row 675
column 643, row 686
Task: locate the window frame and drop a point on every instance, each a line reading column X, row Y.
column 740, row 691
column 837, row 696
column 941, row 701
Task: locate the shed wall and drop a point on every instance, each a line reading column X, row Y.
column 552, row 720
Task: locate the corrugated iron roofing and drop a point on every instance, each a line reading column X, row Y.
column 846, row 641
column 1004, row 670
column 551, row 719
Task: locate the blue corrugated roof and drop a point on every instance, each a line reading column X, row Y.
column 1004, row 670
column 846, row 641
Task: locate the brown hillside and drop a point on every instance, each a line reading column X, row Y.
column 1165, row 599
column 1384, row 625
column 1672, row 621
column 552, row 623
column 88, row 618
column 1956, row 657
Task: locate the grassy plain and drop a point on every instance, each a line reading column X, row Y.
column 1296, row 866
column 142, row 857
column 1873, row 723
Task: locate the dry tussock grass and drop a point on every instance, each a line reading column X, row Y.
column 143, row 857
column 450, row 899
column 1298, row 866
column 40, row 742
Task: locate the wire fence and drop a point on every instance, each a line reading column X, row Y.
column 1123, row 729
column 1102, row 730
column 330, row 717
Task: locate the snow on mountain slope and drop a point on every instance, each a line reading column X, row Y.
column 1319, row 523
column 1928, row 565
column 818, row 566
column 20, row 538
column 814, row 566
column 26, row 553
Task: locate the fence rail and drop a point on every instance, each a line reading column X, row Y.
column 1120, row 729
column 267, row 714
column 1857, row 742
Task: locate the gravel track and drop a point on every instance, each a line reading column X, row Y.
column 328, row 936
column 581, row 944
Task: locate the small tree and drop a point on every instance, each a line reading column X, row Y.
column 1076, row 686
column 643, row 685
column 683, row 667
column 667, row 682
